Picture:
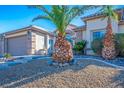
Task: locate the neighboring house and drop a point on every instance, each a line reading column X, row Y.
column 26, row 41
column 95, row 27
column 70, row 34
column 79, row 33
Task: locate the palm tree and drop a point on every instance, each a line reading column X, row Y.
column 109, row 51
column 61, row 16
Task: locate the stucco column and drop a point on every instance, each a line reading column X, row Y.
column 5, row 45
column 31, row 43
column 54, row 40
column 47, row 42
column 2, row 44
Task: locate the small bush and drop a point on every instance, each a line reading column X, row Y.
column 7, row 55
column 79, row 46
column 97, row 46
column 120, row 44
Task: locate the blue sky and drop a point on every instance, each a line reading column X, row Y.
column 17, row 16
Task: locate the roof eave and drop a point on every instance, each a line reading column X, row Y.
column 91, row 17
column 82, row 28
column 27, row 29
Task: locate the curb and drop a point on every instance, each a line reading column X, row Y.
column 113, row 65
column 116, row 66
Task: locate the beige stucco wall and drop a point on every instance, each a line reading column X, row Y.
column 41, row 41
column 121, row 29
column 16, row 34
column 92, row 25
column 84, row 35
column 34, row 41
column 96, row 25
column 31, row 38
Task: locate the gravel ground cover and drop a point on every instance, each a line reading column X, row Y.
column 86, row 73
column 117, row 61
column 20, row 60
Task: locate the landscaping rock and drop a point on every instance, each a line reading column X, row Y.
column 73, row 62
column 50, row 63
column 87, row 74
column 60, row 64
column 66, row 64
column 92, row 74
column 55, row 63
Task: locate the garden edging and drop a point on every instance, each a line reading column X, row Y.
column 116, row 66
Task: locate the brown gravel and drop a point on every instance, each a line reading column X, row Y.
column 87, row 73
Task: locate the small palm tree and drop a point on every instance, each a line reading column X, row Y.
column 108, row 51
column 61, row 16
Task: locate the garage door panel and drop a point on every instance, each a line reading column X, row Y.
column 17, row 46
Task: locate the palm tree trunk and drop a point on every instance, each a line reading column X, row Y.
column 62, row 50
column 109, row 52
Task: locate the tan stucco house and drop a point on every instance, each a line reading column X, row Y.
column 26, row 41
column 32, row 40
column 95, row 27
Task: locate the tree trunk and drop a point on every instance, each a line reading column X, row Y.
column 62, row 50
column 109, row 51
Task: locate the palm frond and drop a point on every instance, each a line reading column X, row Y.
column 41, row 17
column 109, row 12
column 61, row 15
column 115, row 16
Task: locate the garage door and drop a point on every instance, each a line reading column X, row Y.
column 17, row 46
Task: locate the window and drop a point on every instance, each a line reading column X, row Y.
column 121, row 15
column 51, row 44
column 98, row 34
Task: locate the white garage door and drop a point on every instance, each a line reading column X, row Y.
column 17, row 46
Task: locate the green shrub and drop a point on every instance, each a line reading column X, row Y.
column 79, row 46
column 97, row 45
column 7, row 55
column 120, row 44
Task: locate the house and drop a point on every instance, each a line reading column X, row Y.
column 95, row 27
column 26, row 41
column 33, row 40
